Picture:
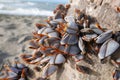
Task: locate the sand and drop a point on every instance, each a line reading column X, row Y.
column 15, row 32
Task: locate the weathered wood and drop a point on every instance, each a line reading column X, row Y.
column 104, row 12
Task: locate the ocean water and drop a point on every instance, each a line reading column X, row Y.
column 29, row 7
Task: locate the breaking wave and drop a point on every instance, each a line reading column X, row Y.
column 31, row 11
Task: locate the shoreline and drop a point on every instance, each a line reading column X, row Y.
column 11, row 15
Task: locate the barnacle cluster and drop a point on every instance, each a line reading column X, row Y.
column 63, row 37
column 16, row 71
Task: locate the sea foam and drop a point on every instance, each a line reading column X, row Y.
column 30, row 11
column 26, row 8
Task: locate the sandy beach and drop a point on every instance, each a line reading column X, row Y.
column 15, row 31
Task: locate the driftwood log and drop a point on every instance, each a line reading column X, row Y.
column 105, row 13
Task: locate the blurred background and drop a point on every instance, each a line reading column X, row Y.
column 29, row 7
column 17, row 22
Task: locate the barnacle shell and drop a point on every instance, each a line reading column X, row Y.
column 22, row 79
column 64, row 39
column 69, row 19
column 116, row 75
column 108, row 48
column 18, row 64
column 69, row 39
column 42, row 40
column 57, row 59
column 35, row 60
column 71, row 23
column 48, row 31
column 62, row 48
column 95, row 29
column 118, row 60
column 104, row 36
column 3, row 75
column 71, row 50
column 78, row 57
column 52, row 42
column 45, row 59
column 15, row 70
column 33, row 44
column 74, row 50
column 26, row 57
column 55, row 22
column 49, row 70
column 11, row 75
column 45, row 51
column 81, row 45
column 89, row 37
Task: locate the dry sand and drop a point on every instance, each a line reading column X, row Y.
column 15, row 31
